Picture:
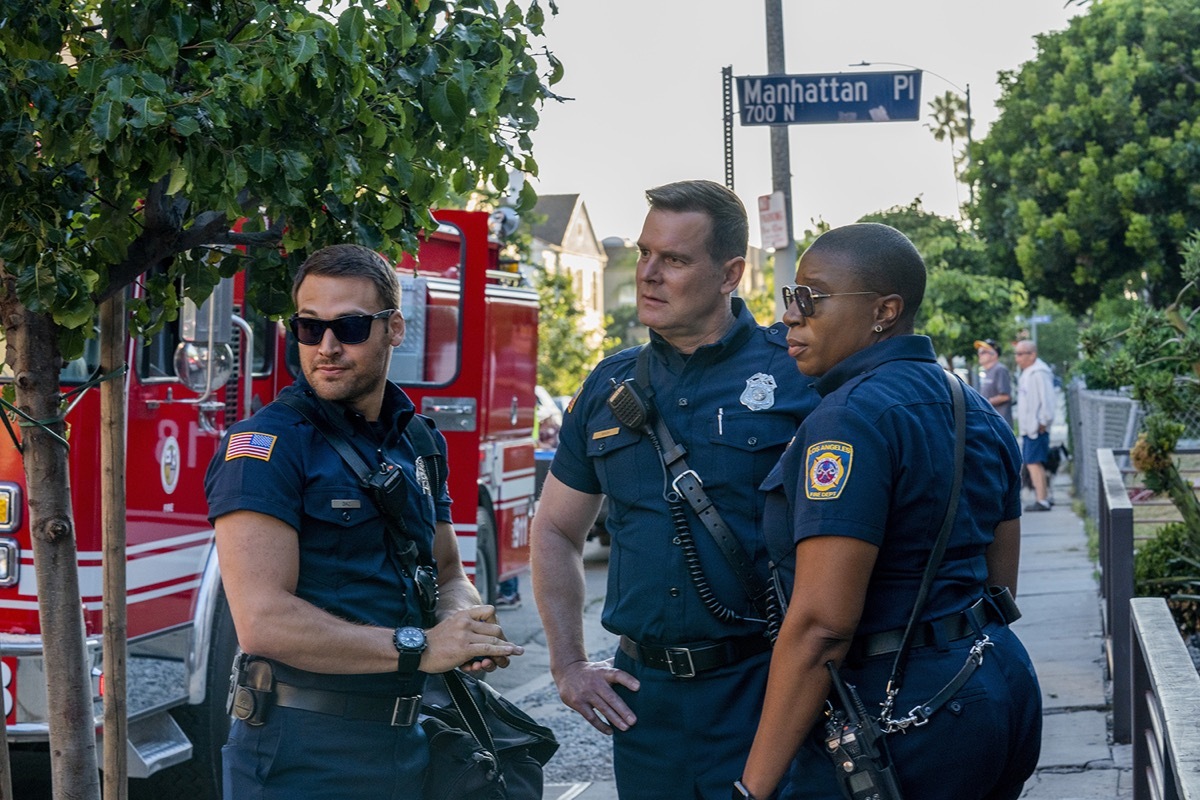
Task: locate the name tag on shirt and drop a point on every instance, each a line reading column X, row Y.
column 345, row 504
column 604, row 434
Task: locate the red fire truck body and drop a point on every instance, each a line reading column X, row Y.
column 469, row 360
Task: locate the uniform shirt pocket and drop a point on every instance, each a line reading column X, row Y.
column 617, row 462
column 343, row 537
column 752, row 431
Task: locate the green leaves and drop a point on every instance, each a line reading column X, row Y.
column 330, row 125
column 1090, row 179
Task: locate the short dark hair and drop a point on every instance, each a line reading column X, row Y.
column 881, row 258
column 352, row 261
column 730, row 230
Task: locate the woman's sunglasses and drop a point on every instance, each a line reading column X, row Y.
column 351, row 329
column 805, row 298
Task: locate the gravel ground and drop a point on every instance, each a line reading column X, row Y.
column 584, row 754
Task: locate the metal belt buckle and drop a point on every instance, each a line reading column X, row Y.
column 405, row 711
column 685, row 669
column 681, row 476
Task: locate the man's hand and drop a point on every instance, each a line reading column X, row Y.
column 464, row 636
column 586, row 686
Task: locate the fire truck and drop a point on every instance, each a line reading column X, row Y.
column 469, row 361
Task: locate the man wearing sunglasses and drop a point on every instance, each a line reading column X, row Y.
column 682, row 696
column 336, row 607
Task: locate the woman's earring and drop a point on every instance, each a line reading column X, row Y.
column 878, row 329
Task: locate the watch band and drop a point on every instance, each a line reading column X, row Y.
column 408, row 659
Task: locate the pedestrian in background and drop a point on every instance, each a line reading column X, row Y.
column 1035, row 414
column 682, row 696
column 853, row 510
column 996, row 381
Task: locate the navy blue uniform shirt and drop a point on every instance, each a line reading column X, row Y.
column 734, row 404
column 875, row 462
column 276, row 463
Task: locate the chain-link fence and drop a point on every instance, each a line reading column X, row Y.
column 1102, row 418
column 1097, row 419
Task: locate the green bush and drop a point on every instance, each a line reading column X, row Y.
column 1169, row 566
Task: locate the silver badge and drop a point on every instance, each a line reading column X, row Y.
column 760, row 392
column 423, row 476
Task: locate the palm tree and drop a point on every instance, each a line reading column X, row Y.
column 951, row 117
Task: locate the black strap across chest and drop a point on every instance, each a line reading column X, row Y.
column 418, row 434
column 687, row 483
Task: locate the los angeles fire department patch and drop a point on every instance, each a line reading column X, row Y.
column 827, row 465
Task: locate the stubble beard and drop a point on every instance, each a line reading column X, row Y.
column 348, row 387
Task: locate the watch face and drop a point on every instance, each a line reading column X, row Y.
column 410, row 638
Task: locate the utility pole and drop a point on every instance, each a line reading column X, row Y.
column 781, row 169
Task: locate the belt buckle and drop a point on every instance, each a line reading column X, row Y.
column 686, row 669
column 685, row 474
column 405, row 711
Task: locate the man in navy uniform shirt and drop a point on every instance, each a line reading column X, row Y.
column 322, row 592
column 682, row 695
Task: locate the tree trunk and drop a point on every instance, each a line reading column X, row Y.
column 112, row 491
column 35, row 361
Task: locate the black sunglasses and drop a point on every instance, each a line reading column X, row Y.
column 805, row 298
column 351, row 329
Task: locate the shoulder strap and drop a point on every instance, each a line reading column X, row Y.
column 686, row 483
column 406, row 548
column 472, row 715
column 332, row 435
column 939, row 547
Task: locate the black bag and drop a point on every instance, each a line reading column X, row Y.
column 481, row 745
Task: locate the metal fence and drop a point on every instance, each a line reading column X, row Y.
column 1165, row 688
column 1101, row 418
column 1097, row 419
column 1115, row 523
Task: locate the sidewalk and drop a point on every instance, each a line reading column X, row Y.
column 1061, row 628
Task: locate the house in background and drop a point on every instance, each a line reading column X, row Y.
column 563, row 240
column 620, row 293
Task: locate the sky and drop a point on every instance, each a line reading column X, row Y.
column 645, row 81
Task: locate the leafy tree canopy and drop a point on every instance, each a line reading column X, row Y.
column 1090, row 179
column 137, row 134
column 564, row 357
column 622, row 329
column 962, row 301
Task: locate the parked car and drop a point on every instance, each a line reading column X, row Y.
column 550, row 411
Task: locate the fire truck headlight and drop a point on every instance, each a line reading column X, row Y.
column 203, row 368
column 10, row 562
column 10, row 507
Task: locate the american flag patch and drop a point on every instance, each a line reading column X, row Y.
column 250, row 445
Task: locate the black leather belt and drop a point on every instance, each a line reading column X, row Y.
column 686, row 662
column 396, row 711
column 947, row 629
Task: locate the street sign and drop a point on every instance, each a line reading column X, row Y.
column 772, row 220
column 843, row 97
column 1040, row 319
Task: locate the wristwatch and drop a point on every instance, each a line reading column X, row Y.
column 740, row 792
column 410, row 644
